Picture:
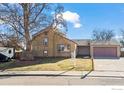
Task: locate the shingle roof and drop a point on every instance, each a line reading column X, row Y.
column 82, row 42
column 111, row 42
column 86, row 42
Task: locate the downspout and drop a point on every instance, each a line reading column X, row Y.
column 54, row 44
column 91, row 50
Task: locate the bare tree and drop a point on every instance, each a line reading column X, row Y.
column 122, row 33
column 122, row 39
column 3, row 39
column 25, row 19
column 9, row 40
column 105, row 35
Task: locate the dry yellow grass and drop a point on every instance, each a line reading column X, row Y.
column 58, row 64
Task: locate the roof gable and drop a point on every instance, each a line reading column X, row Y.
column 52, row 29
column 42, row 31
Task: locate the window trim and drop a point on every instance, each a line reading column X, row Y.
column 65, row 45
column 45, row 54
column 44, row 42
column 68, row 47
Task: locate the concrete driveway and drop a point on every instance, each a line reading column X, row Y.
column 109, row 64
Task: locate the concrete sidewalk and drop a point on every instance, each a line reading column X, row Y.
column 83, row 74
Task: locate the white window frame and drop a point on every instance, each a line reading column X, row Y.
column 45, row 52
column 63, row 48
column 45, row 41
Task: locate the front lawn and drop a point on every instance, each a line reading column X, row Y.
column 52, row 64
column 5, row 64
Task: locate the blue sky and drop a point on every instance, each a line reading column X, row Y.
column 93, row 16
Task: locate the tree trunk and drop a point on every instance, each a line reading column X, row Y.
column 27, row 55
column 26, row 29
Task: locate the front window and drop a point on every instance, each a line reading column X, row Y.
column 62, row 47
column 45, row 41
column 68, row 47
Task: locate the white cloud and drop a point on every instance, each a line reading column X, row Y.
column 77, row 25
column 73, row 18
column 118, row 37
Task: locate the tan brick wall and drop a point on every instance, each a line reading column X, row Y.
column 53, row 40
column 61, row 40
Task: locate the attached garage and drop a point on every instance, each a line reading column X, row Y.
column 105, row 52
column 98, row 49
column 83, row 51
column 83, row 47
column 105, row 49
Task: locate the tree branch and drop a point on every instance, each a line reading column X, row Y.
column 43, row 6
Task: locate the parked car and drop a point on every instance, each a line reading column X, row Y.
column 6, row 54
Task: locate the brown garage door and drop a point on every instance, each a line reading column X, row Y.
column 104, row 52
column 83, row 50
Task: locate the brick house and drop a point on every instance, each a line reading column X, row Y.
column 51, row 43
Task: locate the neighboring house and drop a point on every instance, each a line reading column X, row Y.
column 98, row 49
column 51, row 43
column 122, row 49
column 122, row 52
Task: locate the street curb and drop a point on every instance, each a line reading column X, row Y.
column 38, row 73
column 54, row 75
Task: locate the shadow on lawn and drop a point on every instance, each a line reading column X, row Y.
column 65, row 71
column 37, row 61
